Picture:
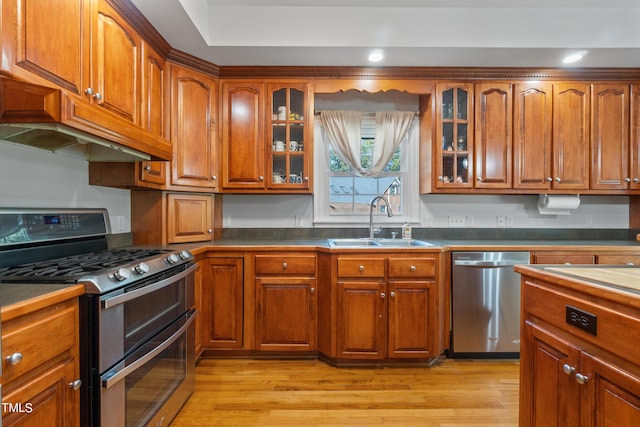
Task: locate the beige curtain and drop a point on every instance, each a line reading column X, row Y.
column 342, row 130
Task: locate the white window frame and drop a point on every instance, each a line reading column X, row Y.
column 410, row 185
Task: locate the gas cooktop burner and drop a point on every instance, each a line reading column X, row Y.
column 79, row 264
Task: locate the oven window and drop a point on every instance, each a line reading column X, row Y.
column 147, row 315
column 150, row 386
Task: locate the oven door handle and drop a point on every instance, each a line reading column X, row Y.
column 109, row 379
column 128, row 296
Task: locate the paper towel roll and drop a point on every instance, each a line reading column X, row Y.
column 557, row 204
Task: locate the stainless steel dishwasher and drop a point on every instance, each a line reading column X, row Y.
column 485, row 304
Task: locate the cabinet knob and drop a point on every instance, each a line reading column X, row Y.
column 558, row 179
column 261, row 178
column 97, row 96
column 88, row 91
column 636, row 180
column 74, row 385
column 361, row 268
column 630, row 263
column 627, row 180
column 306, row 179
column 549, row 179
column 382, row 295
column 312, row 290
column 479, row 179
column 392, row 294
column 568, row 369
column 214, row 177
column 14, row 359
column 412, row 268
column 582, row 379
column 210, row 231
column 284, row 265
column 147, row 168
column 440, row 178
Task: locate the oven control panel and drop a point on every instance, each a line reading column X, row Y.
column 41, row 225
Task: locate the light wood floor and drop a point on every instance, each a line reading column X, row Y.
column 239, row 392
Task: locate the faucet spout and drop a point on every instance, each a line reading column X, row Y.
column 372, row 230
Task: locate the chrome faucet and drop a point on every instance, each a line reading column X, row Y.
column 372, row 229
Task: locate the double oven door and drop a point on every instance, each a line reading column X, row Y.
column 144, row 365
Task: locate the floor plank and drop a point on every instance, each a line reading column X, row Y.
column 311, row 393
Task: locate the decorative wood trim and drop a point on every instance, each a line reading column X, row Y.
column 194, row 62
column 432, row 73
column 136, row 19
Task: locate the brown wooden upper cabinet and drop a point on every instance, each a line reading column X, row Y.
column 266, row 137
column 96, row 60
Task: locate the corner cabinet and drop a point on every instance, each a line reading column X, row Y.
column 266, row 137
column 570, row 377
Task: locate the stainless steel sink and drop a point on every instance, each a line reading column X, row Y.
column 401, row 243
column 354, row 243
column 373, row 243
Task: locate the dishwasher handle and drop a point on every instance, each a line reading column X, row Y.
column 488, row 264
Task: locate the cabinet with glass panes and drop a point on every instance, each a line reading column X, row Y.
column 454, row 135
column 289, row 158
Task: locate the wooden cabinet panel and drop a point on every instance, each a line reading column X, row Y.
column 571, row 157
column 548, row 397
column 243, row 138
column 362, row 319
column 34, row 54
column 198, row 280
column 493, row 137
column 115, row 74
column 223, row 304
column 189, row 218
column 286, row 264
column 563, row 258
column 285, row 314
column 410, row 320
column 610, row 137
column 411, row 267
column 193, row 97
column 628, row 259
column 153, row 100
column 361, row 267
column 532, row 126
column 634, row 147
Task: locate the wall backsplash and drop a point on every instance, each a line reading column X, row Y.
column 35, row 178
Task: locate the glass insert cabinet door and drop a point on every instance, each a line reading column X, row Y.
column 454, row 143
column 289, row 145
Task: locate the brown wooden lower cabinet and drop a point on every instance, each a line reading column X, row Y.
column 223, row 299
column 41, row 388
column 572, row 378
column 387, row 307
column 285, row 287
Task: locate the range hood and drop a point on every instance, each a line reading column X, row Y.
column 42, row 117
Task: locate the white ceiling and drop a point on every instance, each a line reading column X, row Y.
column 482, row 33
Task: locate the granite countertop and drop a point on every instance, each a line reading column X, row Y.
column 19, row 298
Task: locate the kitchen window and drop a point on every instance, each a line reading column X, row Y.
column 343, row 196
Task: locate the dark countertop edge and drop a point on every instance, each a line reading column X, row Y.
column 17, row 299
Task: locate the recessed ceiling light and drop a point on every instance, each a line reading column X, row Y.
column 376, row 55
column 574, row 57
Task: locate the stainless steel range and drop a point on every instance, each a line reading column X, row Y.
column 136, row 317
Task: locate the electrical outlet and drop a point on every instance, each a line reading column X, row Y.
column 470, row 221
column 501, row 220
column 457, row 221
column 226, row 221
column 298, row 220
column 120, row 223
column 509, row 221
column 588, row 221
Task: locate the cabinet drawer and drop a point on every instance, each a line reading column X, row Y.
column 564, row 259
column 619, row 259
column 38, row 337
column 412, row 267
column 286, row 264
column 613, row 330
column 360, row 267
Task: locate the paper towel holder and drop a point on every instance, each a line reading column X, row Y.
column 558, row 204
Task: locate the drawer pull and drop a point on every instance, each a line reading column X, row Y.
column 412, row 268
column 75, row 385
column 582, row 379
column 568, row 369
column 284, row 265
column 361, row 268
column 14, row 359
